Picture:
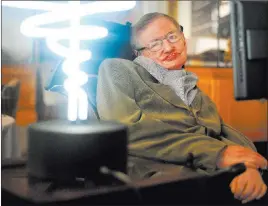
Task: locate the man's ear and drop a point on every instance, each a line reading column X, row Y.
column 184, row 39
column 185, row 42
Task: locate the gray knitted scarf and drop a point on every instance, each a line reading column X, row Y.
column 181, row 81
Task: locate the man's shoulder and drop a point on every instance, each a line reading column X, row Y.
column 118, row 71
column 115, row 63
column 115, row 68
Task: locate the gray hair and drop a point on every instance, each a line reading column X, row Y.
column 143, row 23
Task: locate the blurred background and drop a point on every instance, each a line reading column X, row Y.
column 27, row 64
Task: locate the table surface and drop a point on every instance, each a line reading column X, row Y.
column 15, row 181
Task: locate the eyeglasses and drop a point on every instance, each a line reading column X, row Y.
column 158, row 44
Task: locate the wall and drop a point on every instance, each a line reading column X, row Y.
column 16, row 46
column 185, row 17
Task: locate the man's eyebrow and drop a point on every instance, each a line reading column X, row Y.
column 156, row 39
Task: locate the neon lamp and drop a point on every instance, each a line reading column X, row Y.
column 72, row 12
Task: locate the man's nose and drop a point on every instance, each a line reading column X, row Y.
column 167, row 47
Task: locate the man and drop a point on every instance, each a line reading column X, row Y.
column 169, row 117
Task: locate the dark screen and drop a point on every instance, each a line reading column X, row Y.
column 249, row 32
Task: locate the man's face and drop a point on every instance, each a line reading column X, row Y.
column 171, row 55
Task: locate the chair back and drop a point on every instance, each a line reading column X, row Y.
column 115, row 45
column 10, row 97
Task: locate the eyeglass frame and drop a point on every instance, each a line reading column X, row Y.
column 140, row 49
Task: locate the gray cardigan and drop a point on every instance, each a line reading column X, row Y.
column 160, row 123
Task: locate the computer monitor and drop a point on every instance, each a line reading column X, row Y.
column 249, row 33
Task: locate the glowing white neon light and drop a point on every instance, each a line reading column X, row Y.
column 73, row 11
